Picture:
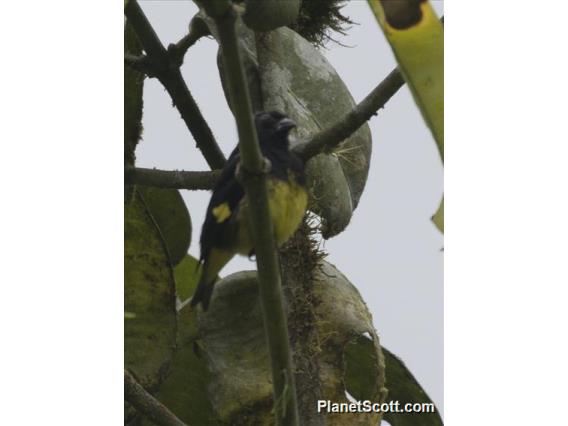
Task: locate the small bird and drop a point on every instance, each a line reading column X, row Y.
column 225, row 231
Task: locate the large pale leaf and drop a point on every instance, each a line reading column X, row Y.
column 149, row 298
column 168, row 209
column 233, row 343
column 351, row 363
column 403, row 387
column 314, row 96
column 416, row 37
column 232, row 340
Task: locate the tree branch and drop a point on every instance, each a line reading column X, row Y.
column 139, row 63
column 177, row 179
column 253, row 174
column 296, row 259
column 146, row 404
column 166, row 67
column 329, row 138
column 197, row 30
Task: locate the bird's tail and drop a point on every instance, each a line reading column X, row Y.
column 216, row 259
column 203, row 293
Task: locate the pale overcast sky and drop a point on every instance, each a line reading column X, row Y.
column 390, row 251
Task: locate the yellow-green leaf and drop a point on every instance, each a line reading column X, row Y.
column 416, row 37
column 149, row 298
column 438, row 217
column 167, row 208
column 187, row 274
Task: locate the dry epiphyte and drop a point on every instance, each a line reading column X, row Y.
column 318, row 19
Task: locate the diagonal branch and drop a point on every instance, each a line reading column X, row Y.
column 253, row 175
column 177, row 179
column 146, row 404
column 166, row 67
column 329, row 138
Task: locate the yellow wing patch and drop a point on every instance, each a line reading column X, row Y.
column 222, row 212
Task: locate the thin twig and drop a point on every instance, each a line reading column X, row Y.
column 166, row 67
column 146, row 404
column 197, row 29
column 329, row 138
column 177, row 179
column 253, row 175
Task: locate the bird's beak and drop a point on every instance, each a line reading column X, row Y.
column 285, row 124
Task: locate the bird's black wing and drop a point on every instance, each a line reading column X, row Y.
column 227, row 190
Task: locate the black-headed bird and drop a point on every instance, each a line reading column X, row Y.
column 225, row 231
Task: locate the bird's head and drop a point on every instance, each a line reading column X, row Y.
column 273, row 126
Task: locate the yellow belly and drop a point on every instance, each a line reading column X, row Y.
column 288, row 203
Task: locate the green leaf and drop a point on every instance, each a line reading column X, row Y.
column 361, row 368
column 184, row 391
column 438, row 217
column 149, row 296
column 187, row 275
column 172, row 218
column 416, row 37
column 403, row 387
